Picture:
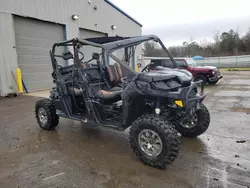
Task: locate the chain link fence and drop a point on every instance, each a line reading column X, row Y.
column 226, row 62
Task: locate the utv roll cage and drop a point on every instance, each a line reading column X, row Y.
column 110, row 44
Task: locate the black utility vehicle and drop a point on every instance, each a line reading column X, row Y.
column 156, row 105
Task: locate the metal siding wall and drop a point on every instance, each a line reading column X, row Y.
column 8, row 60
column 125, row 27
column 84, row 33
column 88, row 50
column 57, row 11
column 60, row 11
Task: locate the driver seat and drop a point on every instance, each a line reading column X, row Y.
column 113, row 92
column 114, row 74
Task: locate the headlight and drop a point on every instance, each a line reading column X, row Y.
column 157, row 111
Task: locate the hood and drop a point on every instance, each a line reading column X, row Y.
column 206, row 67
column 174, row 71
column 183, row 75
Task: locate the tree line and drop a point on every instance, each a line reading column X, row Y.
column 227, row 44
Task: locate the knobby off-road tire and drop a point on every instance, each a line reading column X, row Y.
column 46, row 114
column 168, row 135
column 200, row 127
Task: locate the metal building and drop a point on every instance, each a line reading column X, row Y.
column 28, row 29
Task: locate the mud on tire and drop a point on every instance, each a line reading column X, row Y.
column 201, row 126
column 168, row 135
column 47, row 108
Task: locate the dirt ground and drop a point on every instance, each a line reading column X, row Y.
column 77, row 155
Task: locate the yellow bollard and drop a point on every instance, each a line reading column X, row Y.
column 19, row 80
column 136, row 68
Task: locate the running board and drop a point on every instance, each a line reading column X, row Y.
column 85, row 120
column 77, row 118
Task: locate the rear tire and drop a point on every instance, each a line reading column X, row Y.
column 46, row 114
column 163, row 132
column 200, row 77
column 201, row 126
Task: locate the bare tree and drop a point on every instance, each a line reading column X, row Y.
column 226, row 43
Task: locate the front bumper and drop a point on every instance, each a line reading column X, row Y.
column 192, row 102
column 215, row 78
column 190, row 97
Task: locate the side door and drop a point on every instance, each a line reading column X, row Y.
column 168, row 63
column 181, row 64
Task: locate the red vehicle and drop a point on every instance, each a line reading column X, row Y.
column 208, row 74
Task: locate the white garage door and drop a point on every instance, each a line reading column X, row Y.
column 34, row 39
column 87, row 50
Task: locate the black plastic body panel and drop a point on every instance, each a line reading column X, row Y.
column 137, row 90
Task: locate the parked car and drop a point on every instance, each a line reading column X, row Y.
column 208, row 74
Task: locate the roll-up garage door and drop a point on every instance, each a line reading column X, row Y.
column 88, row 50
column 34, row 39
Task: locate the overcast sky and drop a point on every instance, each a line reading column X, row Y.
column 175, row 21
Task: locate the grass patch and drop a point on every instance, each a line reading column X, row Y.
column 240, row 109
column 235, row 69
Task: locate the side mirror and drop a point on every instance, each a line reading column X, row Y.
column 67, row 55
column 95, row 56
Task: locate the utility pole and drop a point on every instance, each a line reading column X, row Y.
column 191, row 49
column 237, row 40
column 191, row 39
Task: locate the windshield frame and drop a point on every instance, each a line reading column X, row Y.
column 191, row 63
column 132, row 42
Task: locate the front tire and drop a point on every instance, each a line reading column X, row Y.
column 200, row 77
column 213, row 82
column 46, row 114
column 199, row 127
column 154, row 141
